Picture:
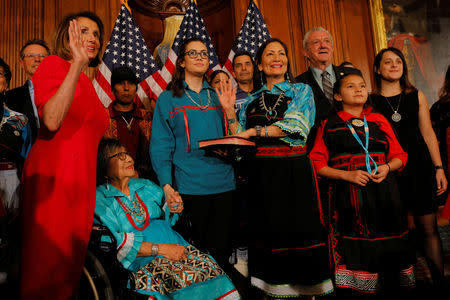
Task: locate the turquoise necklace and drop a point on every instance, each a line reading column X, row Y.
column 369, row 158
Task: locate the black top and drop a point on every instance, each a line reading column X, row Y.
column 417, row 181
column 10, row 141
column 440, row 117
column 260, row 112
column 342, row 143
column 19, row 100
column 408, row 127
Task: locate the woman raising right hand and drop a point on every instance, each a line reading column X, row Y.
column 59, row 173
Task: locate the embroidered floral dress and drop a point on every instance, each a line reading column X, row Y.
column 288, row 256
column 139, row 218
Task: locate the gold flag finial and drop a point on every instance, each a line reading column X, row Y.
column 125, row 2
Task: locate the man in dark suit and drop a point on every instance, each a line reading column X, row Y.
column 21, row 99
column 321, row 75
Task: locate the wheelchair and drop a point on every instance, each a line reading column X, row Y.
column 104, row 277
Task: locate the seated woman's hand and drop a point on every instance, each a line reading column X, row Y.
column 173, row 199
column 172, row 252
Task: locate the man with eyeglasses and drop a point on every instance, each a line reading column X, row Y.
column 21, row 99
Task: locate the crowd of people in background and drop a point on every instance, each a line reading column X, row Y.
column 341, row 191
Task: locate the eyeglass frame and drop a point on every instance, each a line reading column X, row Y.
column 194, row 54
column 119, row 154
column 34, row 55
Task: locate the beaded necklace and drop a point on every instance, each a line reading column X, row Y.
column 138, row 210
column 271, row 113
column 202, row 107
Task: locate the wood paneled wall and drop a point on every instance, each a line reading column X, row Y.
column 347, row 20
column 21, row 20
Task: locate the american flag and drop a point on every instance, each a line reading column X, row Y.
column 253, row 33
column 192, row 26
column 127, row 48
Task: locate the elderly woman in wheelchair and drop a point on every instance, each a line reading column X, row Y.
column 163, row 264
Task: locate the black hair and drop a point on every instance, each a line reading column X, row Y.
column 337, row 88
column 346, row 64
column 6, row 69
column 121, row 74
column 405, row 84
column 342, row 70
column 106, row 147
column 215, row 73
column 176, row 85
column 261, row 77
column 33, row 42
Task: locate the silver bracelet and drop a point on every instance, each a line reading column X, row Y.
column 155, row 249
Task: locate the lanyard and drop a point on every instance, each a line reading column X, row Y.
column 369, row 159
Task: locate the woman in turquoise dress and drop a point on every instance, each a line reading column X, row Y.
column 164, row 265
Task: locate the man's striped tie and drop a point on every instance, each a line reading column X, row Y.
column 327, row 86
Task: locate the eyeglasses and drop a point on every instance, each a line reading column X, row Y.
column 121, row 155
column 34, row 55
column 194, row 54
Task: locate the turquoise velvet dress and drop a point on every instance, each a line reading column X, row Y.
column 197, row 277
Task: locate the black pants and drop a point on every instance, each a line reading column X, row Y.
column 206, row 223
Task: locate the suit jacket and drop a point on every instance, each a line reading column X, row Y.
column 19, row 99
column 323, row 105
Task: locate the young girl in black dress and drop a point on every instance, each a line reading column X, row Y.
column 356, row 149
column 423, row 179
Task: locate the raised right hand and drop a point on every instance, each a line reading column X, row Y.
column 227, row 96
column 77, row 46
column 358, row 177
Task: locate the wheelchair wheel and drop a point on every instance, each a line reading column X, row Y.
column 94, row 283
